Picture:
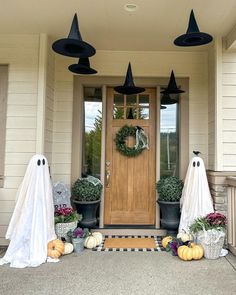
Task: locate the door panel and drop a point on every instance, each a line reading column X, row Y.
column 130, row 196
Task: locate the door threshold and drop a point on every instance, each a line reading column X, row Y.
column 129, row 226
column 122, row 231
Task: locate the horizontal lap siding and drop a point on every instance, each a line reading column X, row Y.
column 20, row 53
column 144, row 64
column 229, row 111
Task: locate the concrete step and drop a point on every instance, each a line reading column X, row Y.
column 131, row 231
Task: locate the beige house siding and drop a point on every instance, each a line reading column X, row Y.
column 229, row 110
column 20, row 52
column 144, row 64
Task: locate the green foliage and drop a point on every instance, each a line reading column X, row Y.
column 65, row 215
column 83, row 190
column 170, row 189
column 121, row 146
column 93, row 148
column 215, row 221
column 199, row 224
column 173, row 154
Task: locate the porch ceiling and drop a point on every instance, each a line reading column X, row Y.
column 108, row 26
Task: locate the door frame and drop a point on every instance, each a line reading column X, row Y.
column 104, row 82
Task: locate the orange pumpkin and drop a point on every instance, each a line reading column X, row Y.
column 165, row 241
column 55, row 248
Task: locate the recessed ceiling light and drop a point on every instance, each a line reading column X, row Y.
column 131, row 7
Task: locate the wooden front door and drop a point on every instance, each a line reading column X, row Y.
column 130, row 196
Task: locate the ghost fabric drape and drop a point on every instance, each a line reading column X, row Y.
column 196, row 199
column 32, row 223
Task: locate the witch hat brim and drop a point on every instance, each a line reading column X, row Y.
column 166, row 100
column 193, row 36
column 82, row 67
column 73, row 45
column 172, row 86
column 129, row 87
column 163, row 107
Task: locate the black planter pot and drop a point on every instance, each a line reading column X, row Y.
column 170, row 215
column 88, row 211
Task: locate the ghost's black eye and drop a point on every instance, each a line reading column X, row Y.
column 194, row 164
column 39, row 163
column 43, row 162
column 198, row 163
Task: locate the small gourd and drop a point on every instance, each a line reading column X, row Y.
column 191, row 252
column 165, row 241
column 55, row 248
column 184, row 237
column 98, row 237
column 90, row 242
column 68, row 248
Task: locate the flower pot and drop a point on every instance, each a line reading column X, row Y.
column 88, row 211
column 170, row 215
column 212, row 242
column 61, row 229
column 78, row 244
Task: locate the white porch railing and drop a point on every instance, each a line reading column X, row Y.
column 231, row 181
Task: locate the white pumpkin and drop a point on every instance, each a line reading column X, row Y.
column 184, row 237
column 90, row 242
column 68, row 248
column 98, row 236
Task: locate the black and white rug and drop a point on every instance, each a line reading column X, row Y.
column 157, row 240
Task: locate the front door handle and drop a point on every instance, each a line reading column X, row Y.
column 108, row 174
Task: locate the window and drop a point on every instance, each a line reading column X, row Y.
column 131, row 106
column 169, row 136
column 3, row 109
column 91, row 161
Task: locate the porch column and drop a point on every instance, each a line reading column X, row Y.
column 42, row 72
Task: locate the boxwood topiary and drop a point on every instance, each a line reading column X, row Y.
column 170, row 189
column 83, row 190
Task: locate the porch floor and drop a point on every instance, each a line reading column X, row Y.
column 122, row 273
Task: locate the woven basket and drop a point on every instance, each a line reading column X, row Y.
column 212, row 248
column 62, row 229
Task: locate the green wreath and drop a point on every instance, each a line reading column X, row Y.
column 121, row 146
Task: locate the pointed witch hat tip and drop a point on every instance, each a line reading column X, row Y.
column 129, row 76
column 192, row 25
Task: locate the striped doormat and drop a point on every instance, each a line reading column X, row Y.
column 114, row 243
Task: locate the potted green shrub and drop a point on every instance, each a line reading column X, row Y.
column 169, row 193
column 86, row 194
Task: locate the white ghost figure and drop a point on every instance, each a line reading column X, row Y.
column 32, row 223
column 196, row 199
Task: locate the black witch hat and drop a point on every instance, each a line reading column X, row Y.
column 82, row 67
column 193, row 36
column 129, row 87
column 172, row 86
column 166, row 99
column 73, row 45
